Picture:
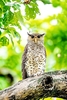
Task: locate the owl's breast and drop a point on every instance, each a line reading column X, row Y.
column 36, row 59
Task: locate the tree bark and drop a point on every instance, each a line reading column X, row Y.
column 51, row 84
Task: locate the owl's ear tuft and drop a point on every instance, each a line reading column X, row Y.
column 41, row 35
column 28, row 33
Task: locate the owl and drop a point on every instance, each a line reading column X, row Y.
column 34, row 56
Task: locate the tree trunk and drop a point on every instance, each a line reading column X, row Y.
column 51, row 84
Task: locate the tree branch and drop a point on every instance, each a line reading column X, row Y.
column 51, row 84
column 3, row 28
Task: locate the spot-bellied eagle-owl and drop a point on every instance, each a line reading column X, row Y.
column 34, row 56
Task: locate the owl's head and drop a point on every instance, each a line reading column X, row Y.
column 35, row 38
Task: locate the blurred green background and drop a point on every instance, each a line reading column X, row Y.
column 16, row 18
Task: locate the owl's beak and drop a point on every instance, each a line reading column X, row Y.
column 35, row 40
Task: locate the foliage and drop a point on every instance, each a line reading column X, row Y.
column 31, row 10
column 12, row 19
column 55, row 38
column 10, row 65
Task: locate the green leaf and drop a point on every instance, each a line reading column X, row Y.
column 5, row 8
column 16, row 34
column 1, row 24
column 46, row 1
column 5, row 1
column 0, row 32
column 2, row 3
column 16, row 7
column 19, row 16
column 35, row 7
column 4, row 41
column 55, row 3
column 17, row 0
column 11, row 38
column 3, row 83
column 31, row 10
column 0, row 11
column 8, row 16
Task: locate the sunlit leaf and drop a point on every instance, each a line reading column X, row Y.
column 55, row 3
column 4, row 41
column 8, row 16
column 46, row 1
column 5, row 8
column 0, row 32
column 16, row 6
column 3, row 83
column 0, row 11
column 2, row 3
column 31, row 10
column 17, row 0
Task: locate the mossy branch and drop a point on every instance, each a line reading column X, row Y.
column 51, row 84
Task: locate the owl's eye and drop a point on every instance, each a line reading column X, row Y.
column 32, row 36
column 38, row 36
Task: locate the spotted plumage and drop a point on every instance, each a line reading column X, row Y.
column 34, row 57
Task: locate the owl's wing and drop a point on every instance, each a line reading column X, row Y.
column 45, row 52
column 24, row 59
